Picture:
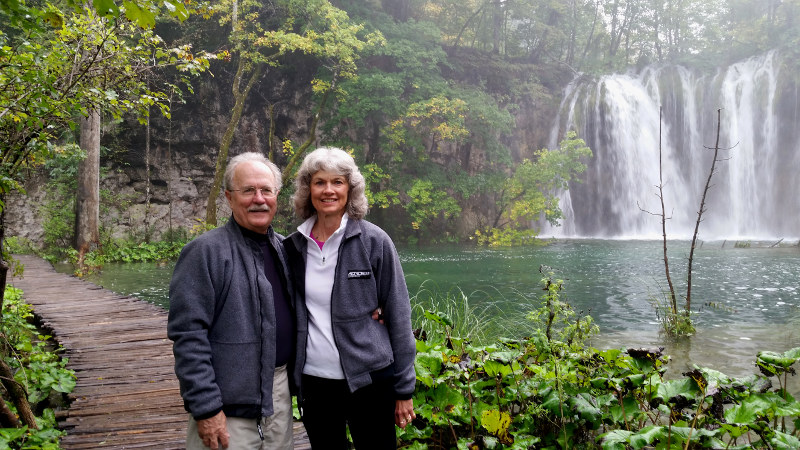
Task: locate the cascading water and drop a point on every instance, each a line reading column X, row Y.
column 755, row 191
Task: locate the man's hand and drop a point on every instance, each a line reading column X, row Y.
column 213, row 431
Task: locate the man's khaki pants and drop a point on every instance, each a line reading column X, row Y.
column 277, row 429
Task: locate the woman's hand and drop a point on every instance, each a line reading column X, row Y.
column 404, row 412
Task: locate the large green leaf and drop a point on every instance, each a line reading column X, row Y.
column 427, row 367
column 496, row 369
column 140, row 16
column 445, row 398
column 106, row 7
column 583, row 405
column 669, row 390
column 784, row 441
column 647, row 436
column 616, row 440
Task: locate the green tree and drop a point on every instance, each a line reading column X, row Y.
column 60, row 64
column 129, row 60
column 531, row 193
column 261, row 35
column 50, row 76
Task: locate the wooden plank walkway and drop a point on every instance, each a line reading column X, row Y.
column 126, row 395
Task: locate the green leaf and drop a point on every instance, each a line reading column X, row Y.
column 106, row 7
column 616, row 440
column 427, row 367
column 669, row 390
column 775, row 359
column 176, row 9
column 582, row 403
column 140, row 16
column 496, row 369
column 445, row 398
column 784, row 441
column 648, row 436
column 741, row 414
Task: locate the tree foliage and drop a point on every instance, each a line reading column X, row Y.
column 58, row 64
column 261, row 35
column 531, row 193
column 426, row 90
column 60, row 61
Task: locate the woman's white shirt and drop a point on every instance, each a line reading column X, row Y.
column 322, row 355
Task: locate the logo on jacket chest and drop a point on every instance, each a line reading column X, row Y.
column 359, row 274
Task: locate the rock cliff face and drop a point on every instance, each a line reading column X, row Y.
column 152, row 191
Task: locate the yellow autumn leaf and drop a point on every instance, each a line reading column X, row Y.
column 496, row 422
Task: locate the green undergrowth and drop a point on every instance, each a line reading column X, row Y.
column 39, row 368
column 550, row 391
column 111, row 251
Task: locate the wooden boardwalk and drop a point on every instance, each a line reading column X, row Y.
column 126, row 395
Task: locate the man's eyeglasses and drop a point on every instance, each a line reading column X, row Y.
column 250, row 191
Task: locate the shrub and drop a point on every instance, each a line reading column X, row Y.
column 37, row 366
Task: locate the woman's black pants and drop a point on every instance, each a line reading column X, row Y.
column 329, row 408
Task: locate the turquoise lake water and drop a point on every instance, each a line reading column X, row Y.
column 745, row 299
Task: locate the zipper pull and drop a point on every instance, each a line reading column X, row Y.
column 260, row 431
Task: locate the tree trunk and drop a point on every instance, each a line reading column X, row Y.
column 240, row 96
column 3, row 263
column 18, row 396
column 673, row 299
column 399, row 9
column 700, row 212
column 312, row 135
column 498, row 19
column 87, row 214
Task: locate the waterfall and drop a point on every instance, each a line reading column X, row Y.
column 755, row 192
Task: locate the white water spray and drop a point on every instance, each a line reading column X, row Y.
column 755, row 190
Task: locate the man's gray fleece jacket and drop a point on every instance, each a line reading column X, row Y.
column 222, row 322
column 368, row 275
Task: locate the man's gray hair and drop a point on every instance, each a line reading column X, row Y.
column 246, row 157
column 335, row 160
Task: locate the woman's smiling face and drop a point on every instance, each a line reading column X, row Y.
column 329, row 193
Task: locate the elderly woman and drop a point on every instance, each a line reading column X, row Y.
column 352, row 370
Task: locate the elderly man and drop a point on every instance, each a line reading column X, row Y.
column 231, row 320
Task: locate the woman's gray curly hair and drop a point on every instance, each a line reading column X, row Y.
column 227, row 178
column 338, row 161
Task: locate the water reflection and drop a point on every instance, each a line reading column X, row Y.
column 745, row 300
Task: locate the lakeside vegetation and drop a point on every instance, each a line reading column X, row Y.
column 549, row 390
column 38, row 371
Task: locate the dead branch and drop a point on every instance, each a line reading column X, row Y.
column 673, row 301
